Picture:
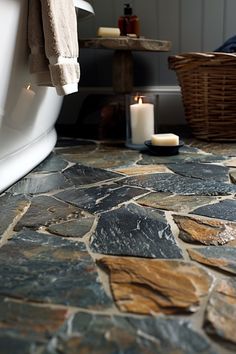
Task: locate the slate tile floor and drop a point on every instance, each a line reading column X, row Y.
column 110, row 250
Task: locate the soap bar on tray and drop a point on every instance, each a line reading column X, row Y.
column 167, row 139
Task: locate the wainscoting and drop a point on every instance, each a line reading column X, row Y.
column 191, row 25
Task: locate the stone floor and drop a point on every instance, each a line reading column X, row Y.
column 110, row 250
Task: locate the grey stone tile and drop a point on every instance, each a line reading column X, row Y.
column 186, row 154
column 18, row 345
column 100, row 199
column 10, row 207
column 48, row 269
column 135, row 231
column 202, row 171
column 52, row 163
column 81, row 175
column 226, row 210
column 170, row 182
column 40, row 183
column 73, row 228
column 125, row 335
column 46, row 211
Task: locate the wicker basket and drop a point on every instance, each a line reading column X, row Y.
column 208, row 86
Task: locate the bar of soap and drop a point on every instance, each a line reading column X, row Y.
column 108, row 32
column 167, row 139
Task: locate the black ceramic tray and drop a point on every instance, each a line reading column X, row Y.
column 163, row 150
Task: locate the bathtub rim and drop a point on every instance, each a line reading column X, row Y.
column 84, row 9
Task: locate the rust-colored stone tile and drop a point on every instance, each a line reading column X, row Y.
column 177, row 203
column 220, row 317
column 156, row 286
column 219, row 257
column 225, row 149
column 205, row 230
column 140, row 169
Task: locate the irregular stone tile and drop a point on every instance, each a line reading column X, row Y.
column 203, row 171
column 104, row 158
column 46, row 211
column 81, row 175
column 99, row 199
column 18, row 345
column 233, row 176
column 90, row 333
column 178, row 203
column 140, row 169
column 40, row 183
column 205, row 231
column 73, row 228
column 41, row 268
column 225, row 209
column 134, row 231
column 170, row 182
column 219, row 257
column 231, row 162
column 52, row 163
column 156, row 286
column 31, row 321
column 225, row 149
column 10, row 206
column 183, row 157
column 220, row 316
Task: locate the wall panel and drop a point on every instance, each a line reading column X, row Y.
column 191, row 25
column 230, row 21
column 213, row 24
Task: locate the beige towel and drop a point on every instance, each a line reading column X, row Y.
column 53, row 42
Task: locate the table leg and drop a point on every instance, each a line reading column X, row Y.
column 122, row 71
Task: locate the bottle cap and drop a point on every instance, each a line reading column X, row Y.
column 128, row 9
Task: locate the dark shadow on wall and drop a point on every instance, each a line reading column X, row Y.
column 100, row 117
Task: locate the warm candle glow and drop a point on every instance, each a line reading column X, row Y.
column 141, row 120
column 139, row 99
column 28, row 87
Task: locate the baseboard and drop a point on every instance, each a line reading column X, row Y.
column 170, row 107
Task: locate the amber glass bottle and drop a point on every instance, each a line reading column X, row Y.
column 129, row 23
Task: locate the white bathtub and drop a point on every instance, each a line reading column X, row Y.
column 27, row 117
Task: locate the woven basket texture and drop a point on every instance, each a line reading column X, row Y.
column 208, row 87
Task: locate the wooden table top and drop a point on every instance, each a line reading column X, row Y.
column 126, row 43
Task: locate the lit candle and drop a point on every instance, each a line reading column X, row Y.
column 167, row 139
column 21, row 110
column 142, row 121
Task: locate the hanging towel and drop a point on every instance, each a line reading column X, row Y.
column 53, row 43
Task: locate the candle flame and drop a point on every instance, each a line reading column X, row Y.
column 138, row 99
column 28, row 87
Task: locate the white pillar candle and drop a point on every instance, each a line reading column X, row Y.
column 142, row 121
column 167, row 139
